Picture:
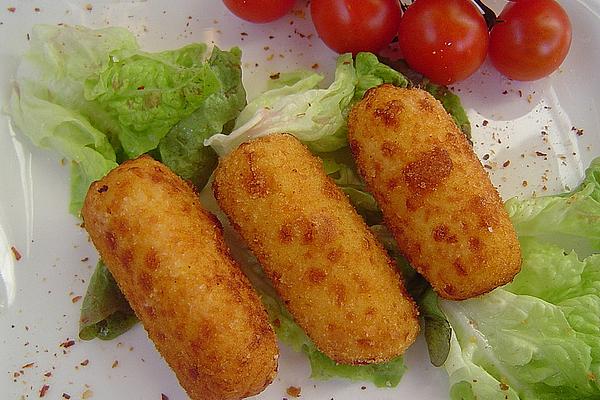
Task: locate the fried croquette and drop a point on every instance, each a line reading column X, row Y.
column 436, row 198
column 335, row 278
column 168, row 256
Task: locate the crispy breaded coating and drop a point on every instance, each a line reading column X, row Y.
column 168, row 256
column 436, row 198
column 333, row 275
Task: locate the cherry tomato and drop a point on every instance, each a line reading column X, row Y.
column 259, row 11
column 356, row 25
column 531, row 40
column 445, row 40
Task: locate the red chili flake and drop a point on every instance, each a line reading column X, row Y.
column 163, row 397
column 293, row 391
column 12, row 9
column 271, row 37
column 43, row 390
column 75, row 299
column 141, row 87
column 15, row 253
column 66, row 396
column 244, row 34
column 485, row 122
column 29, row 365
column 67, row 343
column 16, row 374
column 540, row 154
column 103, row 189
column 84, row 362
column 48, row 374
column 315, row 66
column 275, row 76
column 506, row 163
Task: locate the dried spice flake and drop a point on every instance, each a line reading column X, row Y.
column 293, row 391
column 68, row 343
column 16, row 253
column 43, row 390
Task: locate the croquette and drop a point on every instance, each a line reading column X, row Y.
column 168, row 256
column 436, row 198
column 335, row 278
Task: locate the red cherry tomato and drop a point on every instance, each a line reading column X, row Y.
column 445, row 40
column 531, row 40
column 356, row 25
column 259, row 11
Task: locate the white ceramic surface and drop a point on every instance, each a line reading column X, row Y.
column 37, row 308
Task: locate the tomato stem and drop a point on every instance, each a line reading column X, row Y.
column 488, row 14
column 404, row 6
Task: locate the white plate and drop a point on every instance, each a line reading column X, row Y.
column 37, row 312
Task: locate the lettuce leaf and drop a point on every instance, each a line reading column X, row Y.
column 317, row 117
column 571, row 221
column 149, row 93
column 182, row 149
column 539, row 336
column 105, row 313
column 341, row 169
column 96, row 99
column 48, row 105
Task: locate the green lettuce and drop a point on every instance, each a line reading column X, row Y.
column 149, row 93
column 96, row 99
column 182, row 149
column 571, row 221
column 48, row 103
column 341, row 169
column 316, row 116
column 539, row 336
column 105, row 313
